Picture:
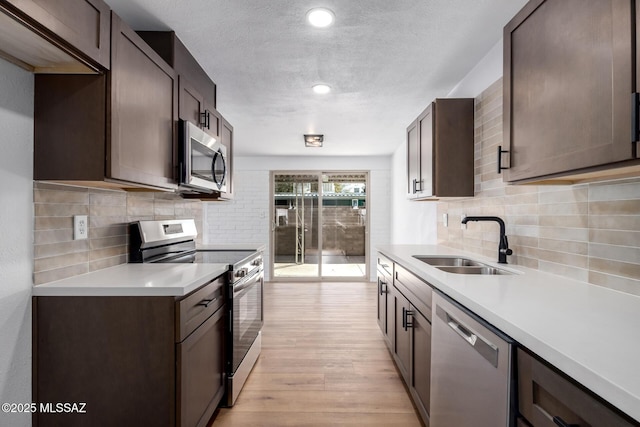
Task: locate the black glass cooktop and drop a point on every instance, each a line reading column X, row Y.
column 222, row 256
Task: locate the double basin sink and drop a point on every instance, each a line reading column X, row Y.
column 460, row 265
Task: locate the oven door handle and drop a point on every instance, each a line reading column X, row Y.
column 247, row 284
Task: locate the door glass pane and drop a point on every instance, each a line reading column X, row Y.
column 344, row 222
column 296, row 251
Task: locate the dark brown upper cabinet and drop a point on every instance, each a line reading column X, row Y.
column 47, row 36
column 197, row 99
column 197, row 96
column 440, row 150
column 112, row 130
column 568, row 92
column 195, row 108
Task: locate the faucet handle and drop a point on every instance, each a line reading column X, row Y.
column 506, row 251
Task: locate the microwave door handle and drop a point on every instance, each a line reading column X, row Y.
column 224, row 168
column 213, row 168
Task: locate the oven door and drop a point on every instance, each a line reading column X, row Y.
column 202, row 160
column 245, row 317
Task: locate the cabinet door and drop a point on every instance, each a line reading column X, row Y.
column 144, row 94
column 195, row 109
column 212, row 121
column 413, row 159
column 201, row 372
column 567, row 86
column 382, row 303
column 402, row 334
column 83, row 24
column 390, row 316
column 191, row 103
column 421, row 362
column 426, row 143
column 385, row 299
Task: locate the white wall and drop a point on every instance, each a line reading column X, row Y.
column 394, row 219
column 416, row 222
column 412, row 222
column 487, row 71
column 245, row 219
column 16, row 244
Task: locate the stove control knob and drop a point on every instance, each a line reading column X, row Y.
column 242, row 272
column 257, row 262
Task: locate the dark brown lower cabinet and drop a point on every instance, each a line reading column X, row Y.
column 547, row 398
column 420, row 385
column 385, row 299
column 402, row 334
column 200, row 366
column 129, row 361
column 404, row 316
column 412, row 351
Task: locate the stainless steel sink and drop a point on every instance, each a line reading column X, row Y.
column 448, row 261
column 472, row 270
column 459, row 265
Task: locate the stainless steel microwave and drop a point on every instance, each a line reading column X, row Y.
column 202, row 160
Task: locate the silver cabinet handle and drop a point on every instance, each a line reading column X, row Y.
column 467, row 335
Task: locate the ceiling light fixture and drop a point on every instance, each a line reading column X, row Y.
column 320, row 17
column 313, row 140
column 321, row 89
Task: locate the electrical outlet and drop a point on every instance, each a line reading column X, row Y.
column 445, row 220
column 80, row 227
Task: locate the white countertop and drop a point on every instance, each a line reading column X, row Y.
column 135, row 280
column 589, row 332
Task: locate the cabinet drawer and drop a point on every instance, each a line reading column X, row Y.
column 197, row 307
column 545, row 395
column 420, row 290
column 385, row 266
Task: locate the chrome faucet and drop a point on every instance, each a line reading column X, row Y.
column 503, row 247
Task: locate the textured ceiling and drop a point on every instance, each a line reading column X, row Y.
column 384, row 59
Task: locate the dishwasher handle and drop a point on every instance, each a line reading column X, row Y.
column 486, row 349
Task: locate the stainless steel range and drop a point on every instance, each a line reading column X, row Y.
column 174, row 241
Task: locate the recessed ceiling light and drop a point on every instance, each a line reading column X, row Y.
column 321, row 89
column 320, row 17
column 313, row 140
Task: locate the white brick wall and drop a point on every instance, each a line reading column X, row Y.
column 246, row 218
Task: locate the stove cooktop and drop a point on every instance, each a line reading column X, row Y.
column 222, row 256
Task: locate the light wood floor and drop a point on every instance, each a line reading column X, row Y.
column 323, row 363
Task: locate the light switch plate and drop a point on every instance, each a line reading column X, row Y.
column 445, row 219
column 80, row 227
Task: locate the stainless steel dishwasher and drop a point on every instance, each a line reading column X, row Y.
column 471, row 370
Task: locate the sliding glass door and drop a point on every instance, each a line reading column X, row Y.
column 319, row 225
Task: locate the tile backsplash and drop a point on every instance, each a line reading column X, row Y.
column 58, row 256
column 589, row 232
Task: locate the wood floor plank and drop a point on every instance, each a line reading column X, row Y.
column 323, row 363
column 226, row 418
column 266, row 401
column 286, row 381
